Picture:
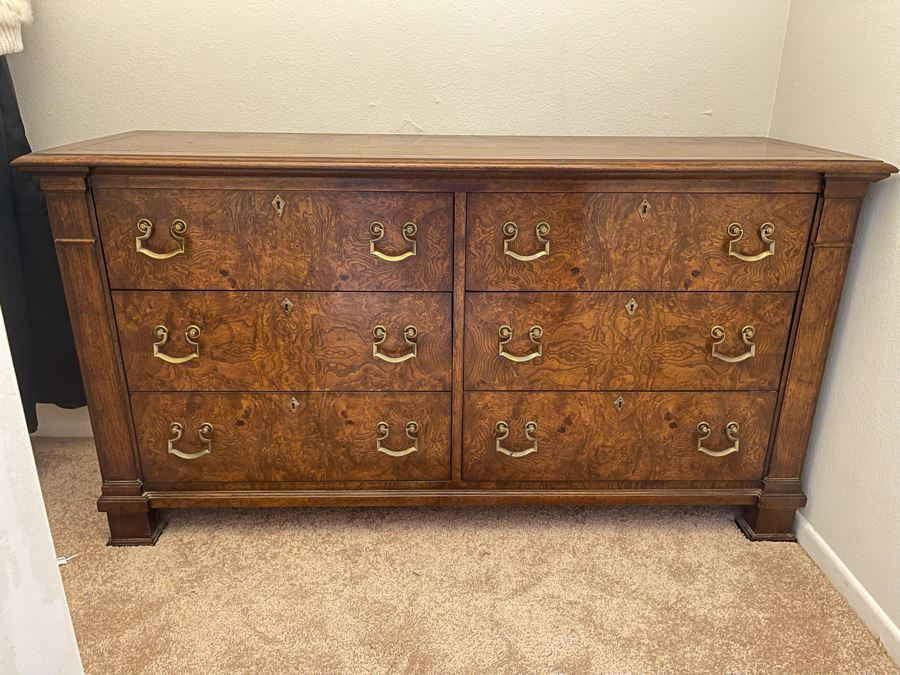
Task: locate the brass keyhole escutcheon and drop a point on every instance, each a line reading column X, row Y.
column 286, row 306
column 643, row 209
column 631, row 307
column 619, row 403
column 294, row 403
column 279, row 204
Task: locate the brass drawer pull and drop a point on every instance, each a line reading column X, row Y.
column 535, row 333
column 145, row 227
column 502, row 430
column 718, row 335
column 766, row 231
column 162, row 335
column 511, row 231
column 205, row 431
column 409, row 234
column 410, row 334
column 731, row 430
column 412, row 433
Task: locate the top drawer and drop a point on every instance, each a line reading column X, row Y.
column 634, row 241
column 263, row 240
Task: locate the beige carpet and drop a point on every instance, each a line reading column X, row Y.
column 504, row 590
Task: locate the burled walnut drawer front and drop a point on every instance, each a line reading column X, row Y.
column 532, row 436
column 293, row 437
column 627, row 340
column 255, row 239
column 221, row 341
column 654, row 241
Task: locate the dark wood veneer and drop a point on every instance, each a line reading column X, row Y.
column 235, row 239
column 591, row 342
column 586, row 436
column 322, row 437
column 600, row 242
column 616, row 398
column 249, row 342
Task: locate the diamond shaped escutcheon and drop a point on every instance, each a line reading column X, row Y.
column 279, row 204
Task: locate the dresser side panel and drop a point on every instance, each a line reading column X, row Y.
column 830, row 257
column 87, row 295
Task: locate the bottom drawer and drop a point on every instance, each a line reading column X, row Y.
column 185, row 437
column 551, row 436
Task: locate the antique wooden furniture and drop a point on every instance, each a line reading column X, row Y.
column 311, row 320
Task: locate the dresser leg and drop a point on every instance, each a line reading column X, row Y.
column 767, row 524
column 140, row 528
column 772, row 519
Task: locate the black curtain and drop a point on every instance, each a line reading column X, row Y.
column 31, row 294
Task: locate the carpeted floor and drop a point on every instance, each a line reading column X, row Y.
column 507, row 590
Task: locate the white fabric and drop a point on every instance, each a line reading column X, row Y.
column 13, row 13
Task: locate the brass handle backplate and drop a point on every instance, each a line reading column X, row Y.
column 534, row 334
column 736, row 232
column 412, row 433
column 205, row 431
column 409, row 234
column 145, row 227
column 541, row 231
column 731, row 430
column 502, row 431
column 410, row 335
column 718, row 335
column 162, row 335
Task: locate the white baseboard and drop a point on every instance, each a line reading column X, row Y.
column 58, row 422
column 843, row 579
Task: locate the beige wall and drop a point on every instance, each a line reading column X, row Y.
column 840, row 87
column 700, row 67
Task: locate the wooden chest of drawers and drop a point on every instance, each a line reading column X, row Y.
column 311, row 320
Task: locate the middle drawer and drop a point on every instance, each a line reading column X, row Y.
column 238, row 341
column 610, row 340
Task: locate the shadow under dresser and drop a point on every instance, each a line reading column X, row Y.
column 349, row 320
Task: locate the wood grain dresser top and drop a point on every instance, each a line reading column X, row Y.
column 227, row 150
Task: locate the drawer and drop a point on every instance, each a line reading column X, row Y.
column 292, row 437
column 235, row 341
column 239, row 239
column 608, row 241
column 626, row 340
column 615, row 436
